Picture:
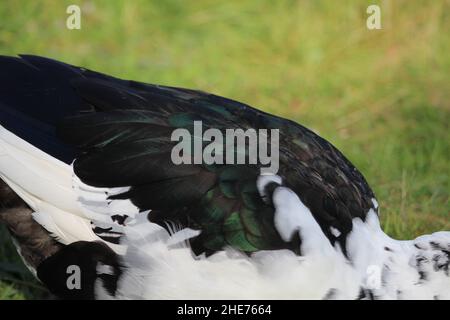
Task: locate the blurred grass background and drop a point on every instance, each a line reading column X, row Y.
column 382, row 97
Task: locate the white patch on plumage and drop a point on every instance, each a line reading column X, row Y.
column 375, row 203
column 45, row 184
column 47, row 222
column 97, row 206
column 291, row 216
column 102, row 268
column 155, row 271
column 335, row 232
column 402, row 263
column 263, row 180
column 107, row 234
column 67, row 228
column 182, row 236
column 33, row 174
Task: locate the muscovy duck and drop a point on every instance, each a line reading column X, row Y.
column 88, row 183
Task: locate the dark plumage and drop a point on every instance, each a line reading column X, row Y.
column 119, row 133
column 94, row 155
column 86, row 256
column 33, row 241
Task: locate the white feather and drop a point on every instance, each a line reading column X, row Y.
column 45, row 184
column 156, row 271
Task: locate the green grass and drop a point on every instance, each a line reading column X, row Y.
column 382, row 97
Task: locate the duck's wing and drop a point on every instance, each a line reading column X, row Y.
column 125, row 141
column 117, row 134
column 114, row 137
